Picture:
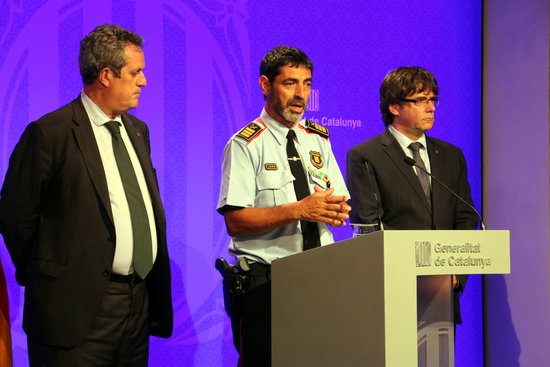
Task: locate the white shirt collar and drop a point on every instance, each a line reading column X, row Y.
column 279, row 130
column 404, row 141
column 96, row 115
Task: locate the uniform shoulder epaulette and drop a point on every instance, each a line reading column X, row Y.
column 250, row 131
column 317, row 129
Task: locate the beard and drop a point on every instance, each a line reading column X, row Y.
column 285, row 113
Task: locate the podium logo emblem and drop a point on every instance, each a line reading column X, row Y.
column 423, row 253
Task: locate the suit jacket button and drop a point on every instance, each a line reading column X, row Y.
column 106, row 273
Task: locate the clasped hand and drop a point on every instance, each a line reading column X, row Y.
column 322, row 206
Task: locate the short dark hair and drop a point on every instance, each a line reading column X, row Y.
column 280, row 56
column 400, row 83
column 104, row 48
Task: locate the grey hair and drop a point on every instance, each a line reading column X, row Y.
column 104, row 48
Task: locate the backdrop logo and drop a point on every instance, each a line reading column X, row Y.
column 423, row 253
column 313, row 103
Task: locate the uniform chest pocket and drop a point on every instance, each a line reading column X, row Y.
column 273, row 188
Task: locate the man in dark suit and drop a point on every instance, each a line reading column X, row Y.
column 385, row 188
column 82, row 218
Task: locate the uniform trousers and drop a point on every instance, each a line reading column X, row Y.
column 252, row 330
column 119, row 336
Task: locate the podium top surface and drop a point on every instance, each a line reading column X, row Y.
column 424, row 252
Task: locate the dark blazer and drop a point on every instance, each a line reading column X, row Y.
column 401, row 202
column 57, row 223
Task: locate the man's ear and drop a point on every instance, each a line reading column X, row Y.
column 265, row 84
column 394, row 109
column 104, row 77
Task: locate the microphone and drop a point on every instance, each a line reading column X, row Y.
column 411, row 162
column 375, row 196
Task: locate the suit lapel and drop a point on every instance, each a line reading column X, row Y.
column 396, row 154
column 437, row 168
column 87, row 144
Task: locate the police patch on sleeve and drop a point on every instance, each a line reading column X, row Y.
column 317, row 129
column 250, row 131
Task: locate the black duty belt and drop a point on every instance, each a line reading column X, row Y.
column 259, row 274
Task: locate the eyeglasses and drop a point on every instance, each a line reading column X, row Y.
column 423, row 101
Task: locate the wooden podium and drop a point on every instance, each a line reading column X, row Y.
column 354, row 303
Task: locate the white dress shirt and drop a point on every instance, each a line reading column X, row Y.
column 122, row 263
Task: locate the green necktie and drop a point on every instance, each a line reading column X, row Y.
column 143, row 255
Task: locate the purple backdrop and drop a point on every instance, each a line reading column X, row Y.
column 516, row 179
column 202, row 66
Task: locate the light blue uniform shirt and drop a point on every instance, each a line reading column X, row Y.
column 256, row 174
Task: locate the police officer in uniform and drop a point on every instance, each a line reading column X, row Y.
column 280, row 188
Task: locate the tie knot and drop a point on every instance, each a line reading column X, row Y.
column 113, row 127
column 415, row 147
column 291, row 134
